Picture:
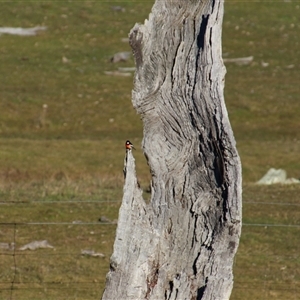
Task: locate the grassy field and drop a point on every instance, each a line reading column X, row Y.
column 74, row 151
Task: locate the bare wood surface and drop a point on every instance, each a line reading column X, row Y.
column 182, row 244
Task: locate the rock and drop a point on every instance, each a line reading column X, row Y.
column 118, row 8
column 291, row 181
column 104, row 219
column 120, row 56
column 7, row 246
column 239, row 61
column 22, row 31
column 273, row 176
column 117, row 73
column 277, row 176
column 92, row 253
column 36, row 245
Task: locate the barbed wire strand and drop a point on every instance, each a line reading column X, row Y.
column 56, row 223
column 17, row 286
column 119, row 201
column 115, row 223
column 237, row 285
column 23, row 253
column 58, row 201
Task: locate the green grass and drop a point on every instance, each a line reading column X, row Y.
column 75, row 152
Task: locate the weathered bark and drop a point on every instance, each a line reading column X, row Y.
column 181, row 245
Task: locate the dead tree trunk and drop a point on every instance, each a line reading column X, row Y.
column 181, row 245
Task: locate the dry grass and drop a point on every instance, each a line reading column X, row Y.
column 267, row 263
column 74, row 150
column 264, row 266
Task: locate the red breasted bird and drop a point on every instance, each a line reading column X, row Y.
column 129, row 146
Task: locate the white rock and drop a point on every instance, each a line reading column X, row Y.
column 22, row 31
column 291, row 181
column 36, row 245
column 273, row 176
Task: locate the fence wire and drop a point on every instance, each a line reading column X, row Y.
column 15, row 285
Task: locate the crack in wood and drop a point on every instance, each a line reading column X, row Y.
column 201, row 290
column 195, row 269
column 201, row 35
column 152, row 279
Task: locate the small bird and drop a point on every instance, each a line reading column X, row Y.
column 129, row 146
